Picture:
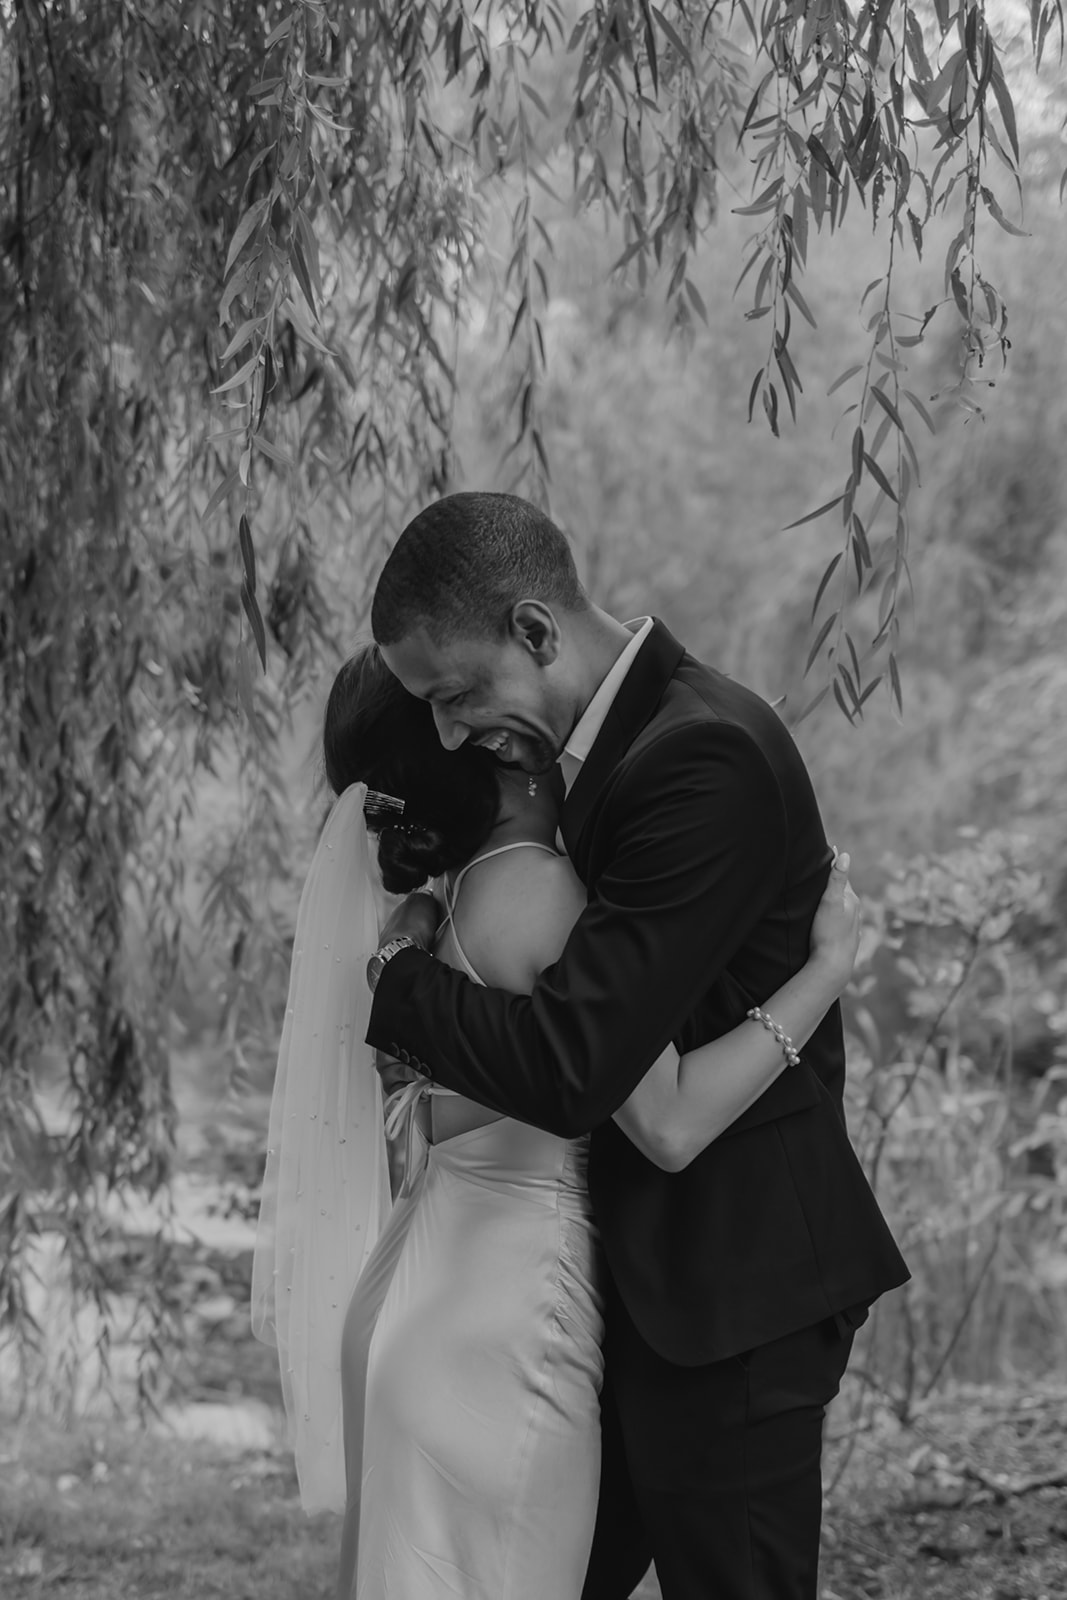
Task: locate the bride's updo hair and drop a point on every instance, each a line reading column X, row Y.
column 374, row 732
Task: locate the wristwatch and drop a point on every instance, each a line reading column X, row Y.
column 376, row 964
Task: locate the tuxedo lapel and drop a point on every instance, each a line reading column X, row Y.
column 640, row 693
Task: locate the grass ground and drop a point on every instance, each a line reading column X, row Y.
column 958, row 1506
column 968, row 1502
column 114, row 1513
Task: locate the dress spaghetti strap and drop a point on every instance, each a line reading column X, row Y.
column 452, row 895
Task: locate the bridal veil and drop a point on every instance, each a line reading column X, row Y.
column 326, row 1184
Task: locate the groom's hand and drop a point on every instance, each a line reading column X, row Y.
column 417, row 917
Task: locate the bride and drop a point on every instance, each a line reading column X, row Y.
column 470, row 1362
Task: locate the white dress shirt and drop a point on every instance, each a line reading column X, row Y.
column 592, row 719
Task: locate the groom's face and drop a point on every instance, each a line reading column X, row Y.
column 500, row 694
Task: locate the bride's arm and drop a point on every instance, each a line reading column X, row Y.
column 683, row 1103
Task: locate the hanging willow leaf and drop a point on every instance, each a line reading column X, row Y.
column 241, row 338
column 879, row 477
column 770, row 406
column 921, row 409
column 871, row 687
column 244, row 230
column 813, row 704
column 993, row 207
column 675, row 39
column 839, row 697
column 650, row 45
column 278, row 33
column 248, row 553
column 822, row 157
column 801, row 304
column 697, row 302
column 221, row 494
column 281, row 457
column 820, row 640
column 878, row 393
column 752, row 393
column 894, row 682
column 252, row 612
column 311, row 258
column 516, row 321
column 765, row 201
column 823, row 581
column 845, row 677
column 842, row 378
column 303, row 327
column 246, row 694
column 811, row 516
column 243, row 372
column 1007, row 109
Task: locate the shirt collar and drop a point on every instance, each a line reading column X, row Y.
column 592, row 720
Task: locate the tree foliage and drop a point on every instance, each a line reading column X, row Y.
column 902, row 109
column 238, row 243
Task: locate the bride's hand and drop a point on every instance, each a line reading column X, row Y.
column 835, row 933
column 417, row 917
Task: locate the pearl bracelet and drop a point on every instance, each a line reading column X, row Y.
column 789, row 1050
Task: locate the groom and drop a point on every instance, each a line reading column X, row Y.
column 735, row 1286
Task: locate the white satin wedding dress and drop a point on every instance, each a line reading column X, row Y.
column 472, row 1371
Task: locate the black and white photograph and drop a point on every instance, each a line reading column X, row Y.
column 533, row 849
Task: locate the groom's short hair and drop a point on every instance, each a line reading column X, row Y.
column 459, row 567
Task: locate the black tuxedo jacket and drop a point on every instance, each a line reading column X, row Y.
column 695, row 829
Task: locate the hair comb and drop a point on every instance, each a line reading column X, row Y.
column 382, row 808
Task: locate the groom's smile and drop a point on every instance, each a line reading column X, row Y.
column 497, row 694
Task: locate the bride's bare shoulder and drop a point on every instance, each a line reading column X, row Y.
column 514, row 913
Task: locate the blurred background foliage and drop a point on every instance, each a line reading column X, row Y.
column 387, row 336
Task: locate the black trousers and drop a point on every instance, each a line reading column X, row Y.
column 714, row 1472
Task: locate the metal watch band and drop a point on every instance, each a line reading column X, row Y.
column 377, row 963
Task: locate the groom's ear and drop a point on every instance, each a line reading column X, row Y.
column 533, row 627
